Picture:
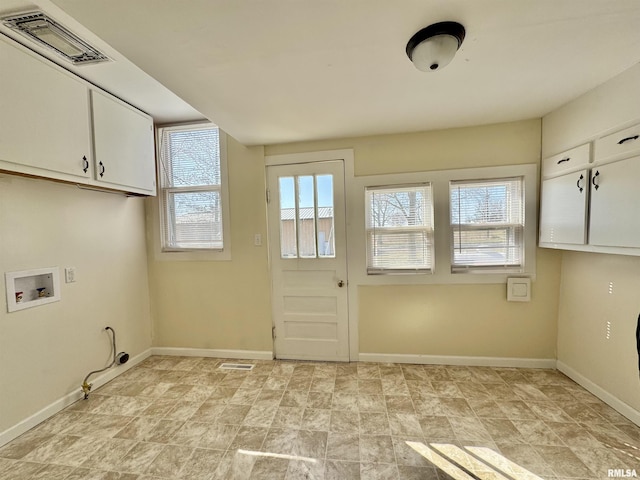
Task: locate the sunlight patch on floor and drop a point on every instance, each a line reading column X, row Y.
column 276, row 455
column 475, row 463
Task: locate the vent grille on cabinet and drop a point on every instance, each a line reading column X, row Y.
column 48, row 33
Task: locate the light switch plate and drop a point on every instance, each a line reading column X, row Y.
column 518, row 289
column 70, row 274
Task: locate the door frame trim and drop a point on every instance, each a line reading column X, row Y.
column 346, row 155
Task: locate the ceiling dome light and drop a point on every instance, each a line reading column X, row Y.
column 434, row 47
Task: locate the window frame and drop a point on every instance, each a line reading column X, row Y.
column 427, row 230
column 164, row 252
column 457, row 268
column 443, row 238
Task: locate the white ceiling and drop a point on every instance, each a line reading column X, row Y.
column 274, row 71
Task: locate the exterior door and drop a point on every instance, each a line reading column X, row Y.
column 307, row 242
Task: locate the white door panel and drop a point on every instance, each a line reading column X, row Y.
column 307, row 242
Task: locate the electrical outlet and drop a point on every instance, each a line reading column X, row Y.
column 257, row 239
column 70, row 274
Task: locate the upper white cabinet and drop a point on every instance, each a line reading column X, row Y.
column 619, row 144
column 55, row 125
column 591, row 205
column 615, row 219
column 44, row 117
column 567, row 161
column 123, row 145
column 563, row 214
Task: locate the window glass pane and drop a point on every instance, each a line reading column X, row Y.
column 306, row 217
column 487, row 223
column 192, row 158
column 326, row 237
column 399, row 229
column 196, row 219
column 397, row 250
column 288, row 243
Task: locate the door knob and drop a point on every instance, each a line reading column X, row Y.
column 340, row 283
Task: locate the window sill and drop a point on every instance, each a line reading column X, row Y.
column 442, row 279
column 193, row 255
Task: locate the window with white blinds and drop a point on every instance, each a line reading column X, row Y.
column 191, row 187
column 487, row 225
column 399, row 225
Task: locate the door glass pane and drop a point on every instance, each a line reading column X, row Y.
column 326, row 234
column 306, row 217
column 288, row 244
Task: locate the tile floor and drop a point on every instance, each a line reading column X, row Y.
column 183, row 418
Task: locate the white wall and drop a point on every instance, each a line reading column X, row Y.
column 608, row 107
column 46, row 351
column 599, row 288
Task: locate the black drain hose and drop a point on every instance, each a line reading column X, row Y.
column 118, row 358
column 638, row 342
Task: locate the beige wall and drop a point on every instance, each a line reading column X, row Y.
column 596, row 290
column 218, row 304
column 458, row 320
column 226, row 305
column 462, row 320
column 46, row 351
column 585, row 302
column 499, row 144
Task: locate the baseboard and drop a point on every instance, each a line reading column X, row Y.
column 459, row 360
column 60, row 404
column 214, row 353
column 614, row 402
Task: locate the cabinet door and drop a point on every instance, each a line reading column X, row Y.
column 566, row 161
column 615, row 195
column 44, row 117
column 563, row 215
column 123, row 145
column 624, row 143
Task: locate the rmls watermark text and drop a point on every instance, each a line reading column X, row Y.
column 622, row 473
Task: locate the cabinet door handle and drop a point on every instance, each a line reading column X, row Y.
column 628, row 139
column 101, row 169
column 593, row 180
column 578, row 183
column 563, row 160
column 85, row 164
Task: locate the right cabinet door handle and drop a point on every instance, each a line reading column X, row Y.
column 101, row 169
column 593, row 180
column 628, row 139
column 85, row 164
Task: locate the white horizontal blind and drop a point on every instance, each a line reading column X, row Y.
column 399, row 227
column 487, row 225
column 190, row 183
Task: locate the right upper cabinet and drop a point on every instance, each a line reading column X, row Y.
column 590, row 196
column 564, row 197
column 123, row 145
